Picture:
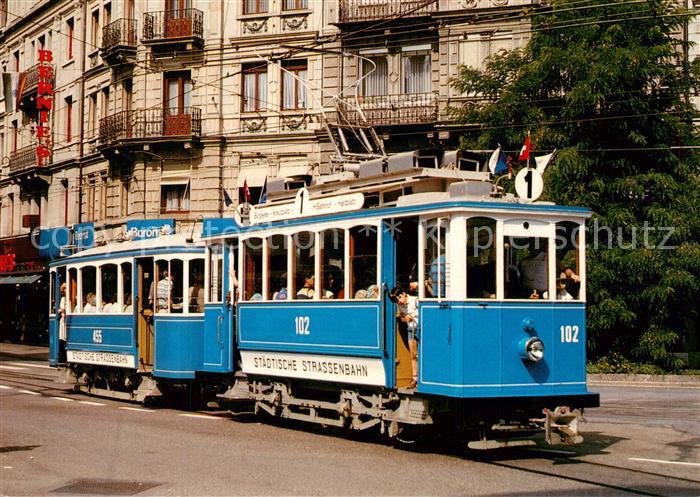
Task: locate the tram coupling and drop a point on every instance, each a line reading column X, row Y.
column 560, row 426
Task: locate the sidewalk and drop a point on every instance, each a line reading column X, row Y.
column 25, row 352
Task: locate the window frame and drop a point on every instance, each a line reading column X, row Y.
column 255, row 69
column 422, row 233
column 298, row 5
column 258, row 7
column 294, row 66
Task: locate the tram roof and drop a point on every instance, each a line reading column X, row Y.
column 475, row 195
column 164, row 243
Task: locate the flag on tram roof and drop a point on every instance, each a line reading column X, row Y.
column 543, row 161
column 498, row 163
column 227, row 199
column 527, row 148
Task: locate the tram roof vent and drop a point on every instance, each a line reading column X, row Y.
column 334, row 178
column 473, row 190
column 373, row 167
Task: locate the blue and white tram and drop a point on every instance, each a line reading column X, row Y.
column 500, row 287
column 126, row 319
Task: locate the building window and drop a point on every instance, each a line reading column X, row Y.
column 70, row 24
column 15, row 136
column 254, row 6
column 3, row 13
column 69, row 119
column 92, row 114
column 295, row 4
column 95, row 30
column 375, row 71
column 293, row 84
column 178, row 92
column 416, row 73
column 476, row 48
column 107, row 14
column 175, row 198
column 127, row 94
column 254, row 87
column 15, row 56
column 104, row 111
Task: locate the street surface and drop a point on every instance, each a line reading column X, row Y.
column 643, row 441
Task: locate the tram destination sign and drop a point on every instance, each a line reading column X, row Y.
column 359, row 370
column 303, row 206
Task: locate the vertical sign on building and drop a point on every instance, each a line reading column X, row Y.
column 44, row 104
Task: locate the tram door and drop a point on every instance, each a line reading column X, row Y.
column 144, row 278
column 406, row 271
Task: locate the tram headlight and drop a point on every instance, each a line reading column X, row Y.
column 532, row 349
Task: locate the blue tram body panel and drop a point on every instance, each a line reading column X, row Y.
column 102, row 333
column 53, row 341
column 351, row 328
column 178, row 350
column 473, row 349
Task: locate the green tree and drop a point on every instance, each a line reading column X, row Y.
column 607, row 84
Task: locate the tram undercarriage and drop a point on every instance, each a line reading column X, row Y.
column 397, row 412
column 116, row 383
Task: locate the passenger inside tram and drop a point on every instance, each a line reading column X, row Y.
column 196, row 292
column 527, row 267
column 90, row 303
column 281, row 293
column 567, row 253
column 128, row 308
column 307, row 291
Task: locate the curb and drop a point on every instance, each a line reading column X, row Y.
column 644, row 380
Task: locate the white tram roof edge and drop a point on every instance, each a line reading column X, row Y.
column 163, row 241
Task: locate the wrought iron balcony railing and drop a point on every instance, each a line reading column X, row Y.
column 32, row 81
column 390, row 110
column 370, row 10
column 173, row 25
column 23, row 159
column 121, row 32
column 146, row 124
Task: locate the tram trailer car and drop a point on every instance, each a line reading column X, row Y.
column 133, row 319
column 315, row 335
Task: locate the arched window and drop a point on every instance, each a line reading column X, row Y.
column 253, row 269
column 108, row 289
column 568, row 254
column 88, row 297
column 332, row 276
column 304, row 265
column 363, row 262
column 277, row 268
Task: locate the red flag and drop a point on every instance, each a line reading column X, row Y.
column 246, row 191
column 527, row 147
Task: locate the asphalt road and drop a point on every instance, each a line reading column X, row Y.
column 644, row 441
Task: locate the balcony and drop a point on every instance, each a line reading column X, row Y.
column 390, row 110
column 23, row 167
column 31, row 84
column 119, row 42
column 137, row 127
column 372, row 10
column 171, row 27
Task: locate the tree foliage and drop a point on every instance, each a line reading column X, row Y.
column 608, row 85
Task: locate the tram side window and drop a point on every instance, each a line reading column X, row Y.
column 481, row 258
column 253, row 269
column 216, row 272
column 108, row 285
column 568, row 261
column 525, row 267
column 73, row 290
column 333, row 264
column 363, row 262
column 127, row 306
column 162, row 286
column 304, row 269
column 196, row 282
column 177, row 281
column 88, row 278
column 277, row 268
column 436, row 270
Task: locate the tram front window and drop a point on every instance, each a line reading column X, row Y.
column 333, row 264
column 126, row 305
column 108, row 287
column 481, row 258
column 436, row 270
column 216, row 272
column 196, row 289
column 304, row 269
column 88, row 277
column 525, row 268
column 277, row 268
column 253, row 260
column 568, row 252
column 363, row 262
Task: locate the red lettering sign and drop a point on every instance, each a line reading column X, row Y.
column 44, row 103
column 7, row 263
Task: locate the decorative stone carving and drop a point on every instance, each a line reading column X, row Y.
column 468, row 4
column 500, row 3
column 254, row 125
column 294, row 123
column 255, row 26
column 295, row 23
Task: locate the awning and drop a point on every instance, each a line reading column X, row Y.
column 20, row 279
column 289, row 170
column 174, row 180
